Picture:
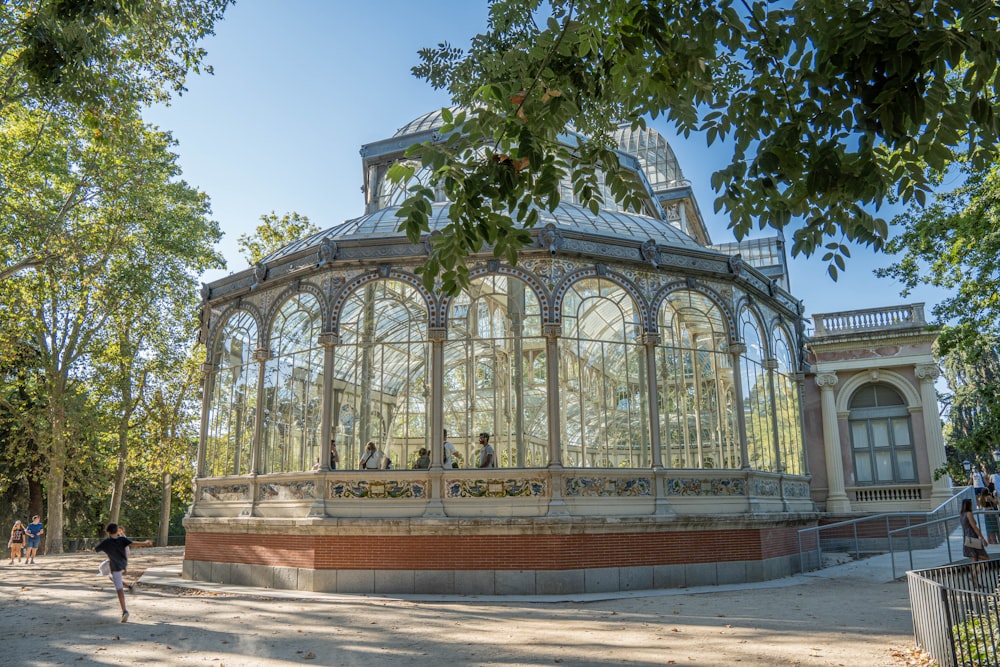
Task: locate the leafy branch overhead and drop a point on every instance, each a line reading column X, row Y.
column 830, row 109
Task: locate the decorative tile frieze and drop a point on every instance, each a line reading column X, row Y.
column 304, row 490
column 608, row 486
column 796, row 489
column 378, row 489
column 224, row 492
column 766, row 487
column 495, row 488
column 729, row 486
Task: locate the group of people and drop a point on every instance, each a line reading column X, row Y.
column 24, row 540
column 373, row 458
column 451, row 458
column 985, row 487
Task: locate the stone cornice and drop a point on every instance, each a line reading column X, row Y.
column 869, row 363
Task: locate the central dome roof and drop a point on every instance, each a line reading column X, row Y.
column 651, row 152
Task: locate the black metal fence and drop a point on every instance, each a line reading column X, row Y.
column 956, row 613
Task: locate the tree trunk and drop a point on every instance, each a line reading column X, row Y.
column 164, row 537
column 119, row 488
column 57, row 466
column 124, row 419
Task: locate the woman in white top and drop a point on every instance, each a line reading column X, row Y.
column 371, row 459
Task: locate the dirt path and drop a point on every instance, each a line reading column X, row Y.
column 60, row 612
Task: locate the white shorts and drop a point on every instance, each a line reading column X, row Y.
column 104, row 569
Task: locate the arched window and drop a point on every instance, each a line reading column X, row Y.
column 380, row 386
column 491, row 384
column 695, row 379
column 233, row 406
column 601, row 360
column 786, row 404
column 757, row 401
column 881, row 436
column 293, row 388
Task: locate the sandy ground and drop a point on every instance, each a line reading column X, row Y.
column 61, row 612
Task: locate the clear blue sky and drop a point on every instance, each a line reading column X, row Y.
column 300, row 86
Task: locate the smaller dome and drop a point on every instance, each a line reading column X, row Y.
column 656, row 157
column 429, row 121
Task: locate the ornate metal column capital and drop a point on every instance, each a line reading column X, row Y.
column 736, row 347
column 551, row 330
column 328, row 339
column 437, row 334
column 770, row 364
column 650, row 339
column 261, row 354
column 826, row 380
column 927, row 372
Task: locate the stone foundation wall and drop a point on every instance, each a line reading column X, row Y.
column 490, row 558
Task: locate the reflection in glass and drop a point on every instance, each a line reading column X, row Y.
column 380, row 388
column 494, row 370
column 602, row 370
column 695, row 380
column 293, row 388
column 786, row 404
column 757, row 401
column 232, row 409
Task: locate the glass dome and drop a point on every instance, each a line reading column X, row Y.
column 656, row 157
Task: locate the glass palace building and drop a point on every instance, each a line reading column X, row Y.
column 642, row 390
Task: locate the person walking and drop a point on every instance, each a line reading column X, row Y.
column 116, row 546
column 16, row 541
column 973, row 542
column 977, row 481
column 35, row 531
column 487, row 457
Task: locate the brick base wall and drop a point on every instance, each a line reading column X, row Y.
column 493, row 552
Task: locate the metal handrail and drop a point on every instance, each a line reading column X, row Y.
column 928, row 524
column 886, row 517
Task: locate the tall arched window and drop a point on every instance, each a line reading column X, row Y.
column 380, row 386
column 881, row 436
column 757, row 401
column 233, row 407
column 492, row 380
column 695, row 379
column 293, row 388
column 602, row 368
column 786, row 405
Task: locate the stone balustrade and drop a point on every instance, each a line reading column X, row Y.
column 869, row 319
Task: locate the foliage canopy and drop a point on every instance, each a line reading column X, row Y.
column 830, row 108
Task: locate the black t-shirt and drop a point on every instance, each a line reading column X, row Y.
column 114, row 547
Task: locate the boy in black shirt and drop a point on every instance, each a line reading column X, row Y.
column 116, row 547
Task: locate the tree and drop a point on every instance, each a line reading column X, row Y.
column 274, row 233
column 101, row 54
column 125, row 223
column 954, row 243
column 972, row 370
column 95, row 59
column 830, row 107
